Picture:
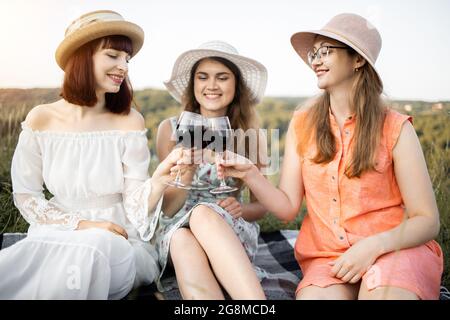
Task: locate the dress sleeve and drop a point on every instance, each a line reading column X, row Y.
column 138, row 187
column 27, row 183
column 393, row 126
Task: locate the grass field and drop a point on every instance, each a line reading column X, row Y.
column 432, row 129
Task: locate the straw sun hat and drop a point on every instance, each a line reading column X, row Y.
column 348, row 28
column 94, row 25
column 254, row 74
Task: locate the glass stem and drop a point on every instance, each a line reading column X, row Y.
column 178, row 177
column 222, row 181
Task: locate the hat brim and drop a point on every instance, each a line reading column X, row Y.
column 254, row 73
column 304, row 41
column 95, row 31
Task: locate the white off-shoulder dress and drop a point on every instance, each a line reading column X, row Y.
column 99, row 176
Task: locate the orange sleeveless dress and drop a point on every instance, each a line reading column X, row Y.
column 342, row 211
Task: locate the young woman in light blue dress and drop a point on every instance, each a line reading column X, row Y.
column 211, row 240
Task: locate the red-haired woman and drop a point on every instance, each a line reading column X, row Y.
column 90, row 241
column 372, row 215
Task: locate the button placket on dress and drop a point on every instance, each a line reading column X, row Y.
column 335, row 204
column 334, row 191
column 344, row 139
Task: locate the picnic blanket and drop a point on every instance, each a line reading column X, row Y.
column 275, row 256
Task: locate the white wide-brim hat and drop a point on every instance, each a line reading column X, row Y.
column 254, row 74
column 95, row 25
column 349, row 28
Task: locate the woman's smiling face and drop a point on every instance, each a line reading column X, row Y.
column 110, row 69
column 214, row 87
column 334, row 68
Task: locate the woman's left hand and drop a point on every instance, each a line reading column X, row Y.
column 231, row 205
column 353, row 264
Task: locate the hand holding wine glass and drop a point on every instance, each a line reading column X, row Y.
column 223, row 135
column 189, row 135
column 236, row 166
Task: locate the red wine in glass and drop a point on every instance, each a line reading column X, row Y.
column 222, row 134
column 220, row 140
column 189, row 134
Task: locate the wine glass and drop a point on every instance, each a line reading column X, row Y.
column 222, row 133
column 197, row 183
column 190, row 127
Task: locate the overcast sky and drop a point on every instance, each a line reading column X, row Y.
column 414, row 62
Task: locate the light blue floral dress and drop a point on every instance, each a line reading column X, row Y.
column 247, row 232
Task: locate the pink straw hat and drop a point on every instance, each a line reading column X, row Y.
column 348, row 28
column 94, row 25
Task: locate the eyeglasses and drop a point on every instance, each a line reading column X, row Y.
column 323, row 51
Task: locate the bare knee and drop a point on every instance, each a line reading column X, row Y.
column 203, row 217
column 312, row 293
column 385, row 293
column 182, row 240
column 333, row 292
column 185, row 251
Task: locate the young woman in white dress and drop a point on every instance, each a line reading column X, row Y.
column 91, row 240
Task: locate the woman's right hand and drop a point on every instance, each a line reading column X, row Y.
column 187, row 161
column 235, row 165
column 163, row 170
column 107, row 225
column 177, row 159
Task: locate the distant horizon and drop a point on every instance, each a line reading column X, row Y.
column 265, row 96
column 412, row 62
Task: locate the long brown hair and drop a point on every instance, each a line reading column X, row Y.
column 369, row 110
column 241, row 111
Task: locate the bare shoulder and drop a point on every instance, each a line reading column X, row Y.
column 132, row 121
column 164, row 142
column 164, row 128
column 40, row 117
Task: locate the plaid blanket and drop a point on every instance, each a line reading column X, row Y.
column 275, row 256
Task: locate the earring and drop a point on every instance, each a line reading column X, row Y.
column 356, row 69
